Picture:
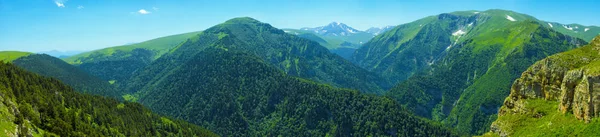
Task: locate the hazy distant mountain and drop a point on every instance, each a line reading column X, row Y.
column 61, row 54
column 334, row 36
column 335, row 29
column 379, row 30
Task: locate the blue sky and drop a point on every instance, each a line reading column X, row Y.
column 43, row 25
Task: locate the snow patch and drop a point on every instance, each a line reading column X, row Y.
column 586, row 29
column 459, row 32
column 470, row 24
column 350, row 30
column 286, row 31
column 550, row 25
column 476, row 12
column 510, row 18
column 568, row 27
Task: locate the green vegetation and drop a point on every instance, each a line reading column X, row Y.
column 119, row 63
column 235, row 93
column 81, row 81
column 159, row 45
column 458, row 67
column 293, row 55
column 542, row 118
column 9, row 56
column 31, row 105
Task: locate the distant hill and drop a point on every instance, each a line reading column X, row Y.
column 61, row 54
column 117, row 64
column 80, row 80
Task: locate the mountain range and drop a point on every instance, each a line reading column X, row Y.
column 453, row 67
column 338, row 37
column 491, row 73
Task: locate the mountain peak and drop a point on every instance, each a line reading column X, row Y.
column 242, row 20
column 334, row 29
column 335, row 23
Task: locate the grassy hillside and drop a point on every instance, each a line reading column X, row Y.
column 31, row 105
column 117, row 64
column 457, row 67
column 9, row 56
column 159, row 46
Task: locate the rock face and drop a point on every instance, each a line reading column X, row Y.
column 571, row 78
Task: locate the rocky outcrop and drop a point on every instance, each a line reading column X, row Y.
column 568, row 78
column 577, row 91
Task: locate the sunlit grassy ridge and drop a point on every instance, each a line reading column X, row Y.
column 159, row 45
column 8, row 56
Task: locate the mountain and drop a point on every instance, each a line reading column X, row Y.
column 227, row 88
column 457, row 67
column 80, row 80
column 32, row 105
column 238, row 79
column 586, row 33
column 117, row 64
column 334, row 29
column 293, row 55
column 60, row 54
column 335, row 34
column 556, row 96
column 379, row 30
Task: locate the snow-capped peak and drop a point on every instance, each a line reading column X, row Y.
column 335, row 29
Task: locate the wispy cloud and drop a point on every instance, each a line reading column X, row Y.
column 155, row 8
column 143, row 11
column 60, row 3
column 80, row 7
